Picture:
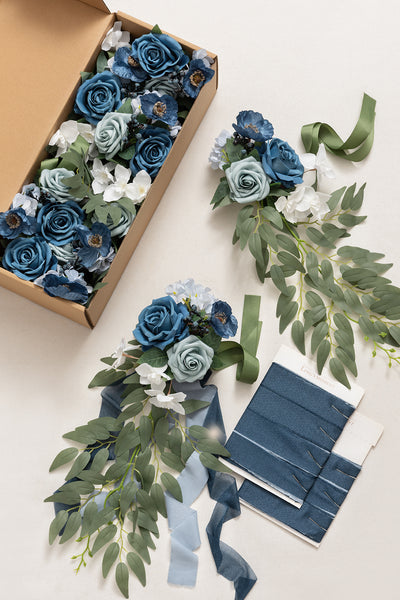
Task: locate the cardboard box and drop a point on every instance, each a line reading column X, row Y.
column 46, row 45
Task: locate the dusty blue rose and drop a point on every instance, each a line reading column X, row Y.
column 197, row 75
column 282, row 164
column 111, row 133
column 29, row 258
column 51, row 180
column 247, row 181
column 64, row 254
column 190, row 359
column 97, row 96
column 161, row 323
column 158, row 54
column 57, row 222
column 151, row 151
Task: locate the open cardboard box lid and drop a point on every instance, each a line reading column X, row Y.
column 46, row 44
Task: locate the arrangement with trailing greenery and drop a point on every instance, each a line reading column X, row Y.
column 115, row 488
column 63, row 230
column 327, row 288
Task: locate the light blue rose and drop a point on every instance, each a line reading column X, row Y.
column 111, row 133
column 190, row 359
column 247, row 181
column 51, row 180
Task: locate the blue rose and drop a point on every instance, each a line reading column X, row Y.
column 161, row 108
column 281, row 163
column 223, row 321
column 151, row 151
column 29, row 258
column 197, row 75
column 61, row 287
column 57, row 222
column 158, row 54
column 97, row 96
column 190, row 359
column 16, row 222
column 252, row 124
column 161, row 323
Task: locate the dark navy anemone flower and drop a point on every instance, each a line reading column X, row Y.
column 197, row 75
column 95, row 242
column 61, row 287
column 161, row 108
column 252, row 124
column 15, row 222
column 126, row 66
column 223, row 321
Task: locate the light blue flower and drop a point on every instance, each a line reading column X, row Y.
column 247, row 181
column 252, row 124
column 111, row 133
column 190, row 359
column 51, row 180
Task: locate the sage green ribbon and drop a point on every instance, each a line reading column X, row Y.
column 245, row 353
column 360, row 140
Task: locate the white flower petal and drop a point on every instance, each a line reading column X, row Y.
column 113, row 193
column 122, row 174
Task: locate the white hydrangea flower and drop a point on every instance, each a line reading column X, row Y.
column 217, row 159
column 318, row 162
column 175, row 129
column 102, row 176
column 118, row 354
column 197, row 294
column 121, row 188
column 300, row 203
column 136, row 106
column 28, row 204
column 169, row 402
column 68, row 133
column 115, row 38
column 202, row 55
column 153, row 376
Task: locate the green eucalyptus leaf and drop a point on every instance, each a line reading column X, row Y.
column 316, row 236
column 145, row 500
column 109, row 558
column 320, row 332
column 211, row 462
column 338, row 372
column 128, row 496
column 146, row 520
column 171, row 485
column 72, row 526
column 122, row 578
column 213, row 446
column 88, row 519
column 278, row 279
column 288, row 316
column 154, row 357
column 146, row 535
column 313, row 299
column 267, row 234
column 349, row 220
column 105, row 377
column 63, row 457
column 100, row 460
column 348, row 197
column 171, row 460
column 103, row 537
column 298, row 336
column 198, row 432
column 291, row 261
column 102, row 62
column 145, row 429
column 335, row 198
column 137, row 567
column 187, row 450
column 158, row 498
column 357, row 200
column 324, row 349
column 161, row 432
column 79, row 464
column 273, row 216
column 192, row 405
column 312, row 265
column 148, row 474
column 284, row 300
column 57, row 524
column 346, row 360
column 287, row 243
column 138, row 544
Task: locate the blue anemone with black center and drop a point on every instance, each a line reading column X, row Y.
column 197, row 75
column 252, row 125
column 60, row 287
column 223, row 321
column 95, row 242
column 126, row 66
column 16, row 222
column 161, row 108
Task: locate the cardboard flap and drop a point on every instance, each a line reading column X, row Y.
column 97, row 4
column 45, row 45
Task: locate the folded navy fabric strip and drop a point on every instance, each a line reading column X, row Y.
column 289, row 385
column 320, row 506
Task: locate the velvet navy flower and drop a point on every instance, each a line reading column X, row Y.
column 127, row 67
column 151, row 151
column 158, row 54
column 252, row 124
column 95, row 242
column 58, row 222
column 16, row 222
column 29, row 258
column 61, row 287
column 97, row 96
column 161, row 108
column 161, row 323
column 282, row 164
column 223, row 321
column 197, row 75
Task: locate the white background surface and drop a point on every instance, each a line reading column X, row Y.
column 296, row 62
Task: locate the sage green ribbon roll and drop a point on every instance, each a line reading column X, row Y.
column 245, row 353
column 360, row 140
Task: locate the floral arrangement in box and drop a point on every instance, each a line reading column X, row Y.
column 295, row 232
column 157, row 416
column 63, row 230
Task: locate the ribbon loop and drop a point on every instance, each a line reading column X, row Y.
column 359, row 141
